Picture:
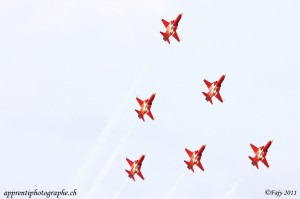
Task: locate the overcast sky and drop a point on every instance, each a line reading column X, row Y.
column 70, row 72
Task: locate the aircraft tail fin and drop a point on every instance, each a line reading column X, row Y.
column 165, row 37
column 208, row 98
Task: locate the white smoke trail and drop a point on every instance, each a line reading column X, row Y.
column 96, row 148
column 108, row 165
column 116, row 195
column 233, row 188
column 175, row 185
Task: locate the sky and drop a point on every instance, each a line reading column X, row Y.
column 70, row 72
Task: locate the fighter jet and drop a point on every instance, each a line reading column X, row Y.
column 195, row 158
column 135, row 167
column 171, row 28
column 214, row 89
column 260, row 154
column 145, row 107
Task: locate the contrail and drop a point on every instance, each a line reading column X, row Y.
column 108, row 165
column 175, row 185
column 96, row 148
column 235, row 185
column 116, row 195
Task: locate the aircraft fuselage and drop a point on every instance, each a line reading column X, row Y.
column 261, row 153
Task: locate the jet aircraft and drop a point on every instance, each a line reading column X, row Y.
column 171, row 28
column 260, row 154
column 214, row 89
column 145, row 107
column 135, row 167
column 195, row 158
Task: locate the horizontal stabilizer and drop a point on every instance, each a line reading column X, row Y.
column 253, row 163
column 189, row 166
column 186, row 162
column 137, row 111
column 129, row 175
column 165, row 37
column 208, row 98
column 140, row 115
column 251, row 158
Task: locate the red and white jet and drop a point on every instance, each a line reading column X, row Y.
column 195, row 158
column 260, row 154
column 145, row 107
column 171, row 28
column 135, row 167
column 214, row 89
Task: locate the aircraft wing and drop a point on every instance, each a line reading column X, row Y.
column 188, row 152
column 255, row 149
column 200, row 166
column 208, row 84
column 129, row 161
column 218, row 96
column 207, row 97
column 141, row 102
column 150, row 115
column 140, row 174
column 176, row 36
column 165, row 36
column 129, row 175
column 265, row 162
column 165, row 23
